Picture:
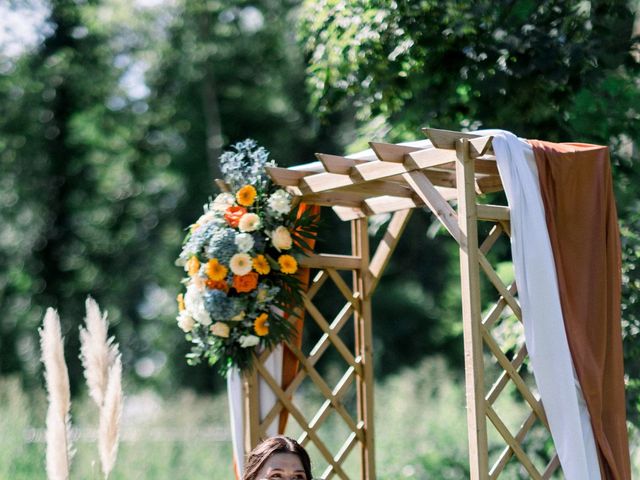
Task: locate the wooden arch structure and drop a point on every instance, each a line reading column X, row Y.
column 457, row 168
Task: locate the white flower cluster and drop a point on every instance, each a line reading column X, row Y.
column 280, row 202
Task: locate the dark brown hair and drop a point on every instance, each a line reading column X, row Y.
column 279, row 444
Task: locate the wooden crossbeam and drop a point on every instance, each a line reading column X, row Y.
column 513, row 444
column 335, row 339
column 326, row 260
column 491, row 239
column 286, row 176
column 507, row 452
column 508, row 367
column 503, row 379
column 436, row 203
column 499, row 286
column 447, row 138
column 317, row 379
column 343, row 452
column 323, row 412
column 337, row 164
column 349, row 295
column 497, row 309
column 389, row 152
column 554, row 465
column 385, row 249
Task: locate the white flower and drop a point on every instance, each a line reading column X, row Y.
column 222, row 202
column 186, row 321
column 249, row 222
column 244, row 242
column 220, row 329
column 281, row 238
column 280, row 202
column 194, row 305
column 206, row 218
column 247, row 341
column 240, row 264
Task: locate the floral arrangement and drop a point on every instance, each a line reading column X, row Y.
column 241, row 258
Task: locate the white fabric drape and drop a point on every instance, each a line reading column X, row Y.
column 267, row 400
column 545, row 335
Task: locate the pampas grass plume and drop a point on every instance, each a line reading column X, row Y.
column 59, row 447
column 110, row 413
column 97, row 352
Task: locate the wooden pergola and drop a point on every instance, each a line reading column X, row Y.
column 457, row 168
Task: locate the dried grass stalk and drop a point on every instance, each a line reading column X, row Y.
column 110, row 413
column 59, row 446
column 97, row 352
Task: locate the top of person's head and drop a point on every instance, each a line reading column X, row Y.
column 278, row 444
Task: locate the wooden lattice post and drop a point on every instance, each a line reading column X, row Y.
column 364, row 345
column 471, row 313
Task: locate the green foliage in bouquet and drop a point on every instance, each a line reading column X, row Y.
column 241, row 259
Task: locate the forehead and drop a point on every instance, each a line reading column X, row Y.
column 289, row 462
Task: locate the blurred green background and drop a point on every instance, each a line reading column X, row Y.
column 113, row 114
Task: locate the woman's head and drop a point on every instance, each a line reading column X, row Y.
column 276, row 458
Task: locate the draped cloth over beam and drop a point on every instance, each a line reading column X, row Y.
column 545, row 334
column 577, row 190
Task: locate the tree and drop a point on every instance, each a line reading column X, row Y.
column 558, row 70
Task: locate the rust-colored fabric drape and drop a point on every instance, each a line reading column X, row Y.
column 577, row 191
column 290, row 362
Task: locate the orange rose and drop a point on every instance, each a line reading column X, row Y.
column 233, row 215
column 217, row 285
column 245, row 283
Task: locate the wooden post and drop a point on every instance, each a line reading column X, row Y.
column 471, row 313
column 363, row 346
column 251, row 408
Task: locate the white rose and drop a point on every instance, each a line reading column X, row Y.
column 244, row 242
column 186, row 321
column 249, row 222
column 240, row 264
column 220, row 329
column 281, row 238
column 222, row 202
column 247, row 341
column 194, row 305
column 280, row 202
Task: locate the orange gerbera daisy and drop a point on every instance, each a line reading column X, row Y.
column 246, row 195
column 261, row 325
column 261, row 265
column 215, row 270
column 193, row 266
column 288, row 264
column 245, row 283
column 217, row 285
column 180, row 299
